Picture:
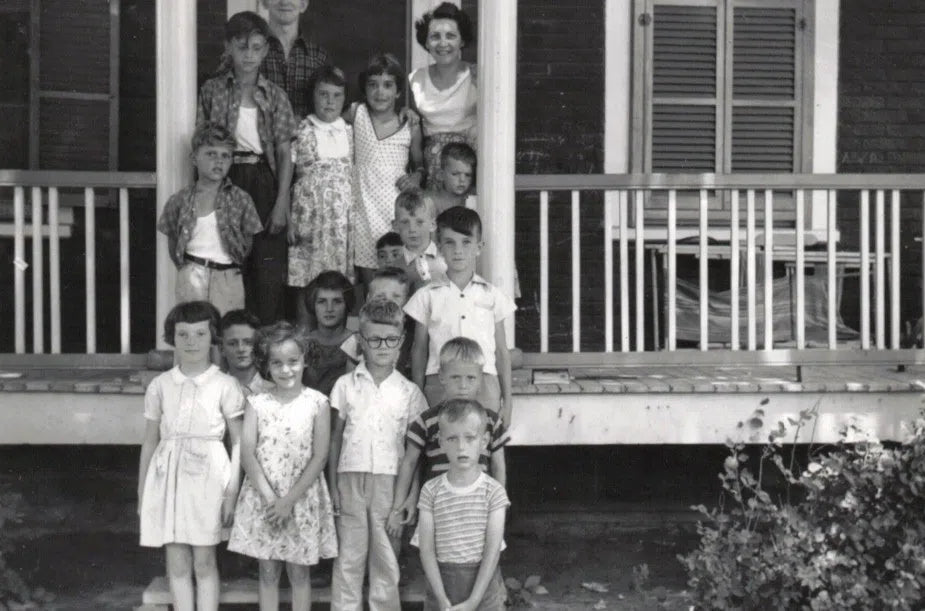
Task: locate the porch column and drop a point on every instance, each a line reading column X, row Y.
column 175, row 45
column 497, row 83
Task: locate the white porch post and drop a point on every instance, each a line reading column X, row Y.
column 175, row 44
column 497, row 82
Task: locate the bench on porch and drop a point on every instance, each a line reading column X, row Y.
column 156, row 596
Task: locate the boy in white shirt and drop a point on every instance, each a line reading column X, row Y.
column 374, row 405
column 463, row 305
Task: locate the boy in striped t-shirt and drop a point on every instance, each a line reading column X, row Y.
column 461, row 523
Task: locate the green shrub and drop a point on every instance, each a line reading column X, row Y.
column 847, row 531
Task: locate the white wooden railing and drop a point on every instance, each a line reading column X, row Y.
column 629, row 222
column 43, row 189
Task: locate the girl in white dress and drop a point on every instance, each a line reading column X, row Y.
column 385, row 143
column 187, row 484
column 284, row 513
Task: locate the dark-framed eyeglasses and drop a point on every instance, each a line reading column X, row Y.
column 375, row 342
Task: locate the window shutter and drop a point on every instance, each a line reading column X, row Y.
column 765, row 87
column 684, row 88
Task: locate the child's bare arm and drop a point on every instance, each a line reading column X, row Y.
column 321, row 438
column 494, row 534
column 429, row 557
column 249, row 455
column 234, row 484
column 337, row 440
column 503, row 363
column 419, row 354
column 279, row 217
column 148, row 445
column 498, row 466
column 403, row 484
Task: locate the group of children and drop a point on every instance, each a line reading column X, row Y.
column 426, row 378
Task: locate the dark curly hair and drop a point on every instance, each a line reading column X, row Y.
column 190, row 312
column 446, row 10
column 274, row 335
column 332, row 75
column 383, row 63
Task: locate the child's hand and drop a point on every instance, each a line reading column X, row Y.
column 406, row 114
column 407, row 511
column 291, row 236
column 280, row 510
column 335, row 501
column 393, row 525
column 279, row 216
column 228, row 503
column 412, row 180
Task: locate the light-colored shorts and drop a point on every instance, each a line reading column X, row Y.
column 222, row 288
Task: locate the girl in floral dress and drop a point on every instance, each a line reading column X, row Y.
column 284, row 512
column 321, row 219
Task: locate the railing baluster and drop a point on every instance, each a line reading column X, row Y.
column 90, row 262
column 624, row 272
column 19, row 268
column 124, row 274
column 576, row 273
column 54, row 269
column 832, row 290
column 38, row 275
column 768, row 269
column 640, row 274
column 672, row 280
column 734, row 272
column 865, row 268
column 801, row 270
column 750, row 268
column 544, row 271
column 704, row 280
column 878, row 279
column 608, row 276
column 894, row 272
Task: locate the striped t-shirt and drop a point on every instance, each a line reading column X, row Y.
column 424, row 434
column 461, row 515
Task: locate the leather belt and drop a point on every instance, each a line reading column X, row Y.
column 210, row 264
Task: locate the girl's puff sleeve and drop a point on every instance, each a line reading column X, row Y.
column 232, row 400
column 153, row 401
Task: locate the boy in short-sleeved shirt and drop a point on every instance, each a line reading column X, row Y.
column 465, row 305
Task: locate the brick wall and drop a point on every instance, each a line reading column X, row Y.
column 560, row 126
column 881, row 126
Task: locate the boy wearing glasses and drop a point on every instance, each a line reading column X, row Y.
column 374, row 404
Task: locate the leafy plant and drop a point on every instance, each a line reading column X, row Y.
column 847, row 531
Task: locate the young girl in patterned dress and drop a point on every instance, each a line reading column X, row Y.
column 323, row 195
column 384, row 144
column 284, row 512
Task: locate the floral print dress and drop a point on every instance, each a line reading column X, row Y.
column 322, row 205
column 284, row 447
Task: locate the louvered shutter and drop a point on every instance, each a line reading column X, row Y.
column 685, row 86
column 765, row 87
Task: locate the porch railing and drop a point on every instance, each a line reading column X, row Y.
column 45, row 189
column 640, row 216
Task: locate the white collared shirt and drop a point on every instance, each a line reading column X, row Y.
column 377, row 419
column 333, row 139
column 196, row 406
column 449, row 312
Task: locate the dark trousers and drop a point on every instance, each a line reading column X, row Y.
column 266, row 268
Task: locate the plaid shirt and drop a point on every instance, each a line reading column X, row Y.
column 220, row 99
column 293, row 73
column 235, row 216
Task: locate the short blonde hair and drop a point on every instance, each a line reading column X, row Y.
column 462, row 350
column 452, row 410
column 382, row 312
column 413, row 200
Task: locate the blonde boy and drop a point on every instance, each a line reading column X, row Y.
column 374, row 405
column 414, row 222
column 461, row 363
column 466, row 305
column 460, row 556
